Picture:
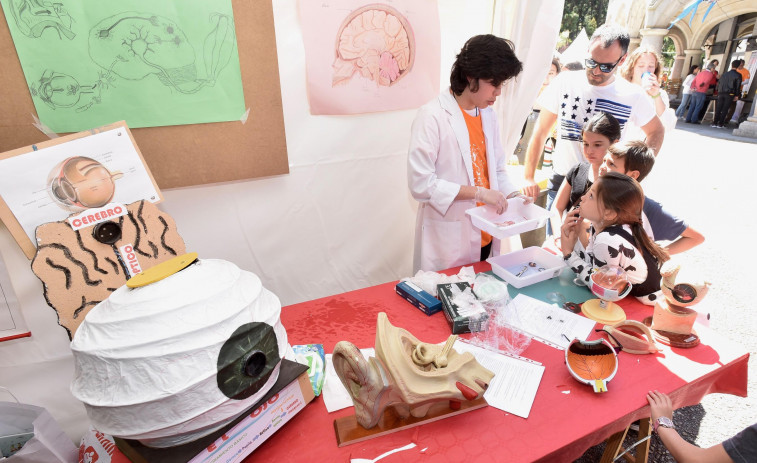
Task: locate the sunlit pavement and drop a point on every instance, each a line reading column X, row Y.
column 707, row 176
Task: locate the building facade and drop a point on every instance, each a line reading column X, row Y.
column 718, row 29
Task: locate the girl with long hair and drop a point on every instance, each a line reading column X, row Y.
column 613, row 206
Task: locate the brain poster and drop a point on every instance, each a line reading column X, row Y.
column 364, row 57
column 89, row 62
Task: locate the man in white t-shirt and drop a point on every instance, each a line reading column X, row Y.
column 573, row 97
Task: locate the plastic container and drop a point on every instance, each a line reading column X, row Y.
column 527, row 266
column 524, row 217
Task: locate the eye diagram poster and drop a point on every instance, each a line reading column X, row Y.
column 151, row 63
column 364, row 57
column 78, row 173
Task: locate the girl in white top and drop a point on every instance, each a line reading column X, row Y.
column 687, row 91
column 643, row 68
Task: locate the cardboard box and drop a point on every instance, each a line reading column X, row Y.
column 462, row 319
column 233, row 443
column 427, row 303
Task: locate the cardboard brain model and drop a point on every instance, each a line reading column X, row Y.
column 178, row 358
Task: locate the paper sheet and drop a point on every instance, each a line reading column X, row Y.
column 515, row 382
column 12, row 324
column 150, row 63
column 335, row 396
column 548, row 323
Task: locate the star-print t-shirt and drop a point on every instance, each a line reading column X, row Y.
column 478, row 157
column 574, row 100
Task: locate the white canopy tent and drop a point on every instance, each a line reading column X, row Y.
column 341, row 220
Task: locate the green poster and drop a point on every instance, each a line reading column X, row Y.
column 152, row 63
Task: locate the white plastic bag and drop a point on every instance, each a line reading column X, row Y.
column 49, row 444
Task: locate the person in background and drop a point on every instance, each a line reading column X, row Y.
column 643, row 68
column 687, row 91
column 700, row 85
column 573, row 97
column 741, row 448
column 554, row 69
column 573, row 66
column 729, row 89
column 745, row 76
column 456, row 160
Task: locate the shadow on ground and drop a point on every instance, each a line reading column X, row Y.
column 686, row 420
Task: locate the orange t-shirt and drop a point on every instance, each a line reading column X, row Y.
column 478, row 157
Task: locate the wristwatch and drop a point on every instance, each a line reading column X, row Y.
column 663, row 421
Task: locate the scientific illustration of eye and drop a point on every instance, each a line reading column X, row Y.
column 33, row 17
column 376, row 42
column 134, row 46
column 80, row 182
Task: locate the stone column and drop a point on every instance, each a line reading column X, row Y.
column 691, row 57
column 652, row 38
column 748, row 128
column 678, row 68
column 634, row 44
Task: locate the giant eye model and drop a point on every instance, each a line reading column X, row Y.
column 169, row 360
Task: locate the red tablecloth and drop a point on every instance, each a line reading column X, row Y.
column 566, row 419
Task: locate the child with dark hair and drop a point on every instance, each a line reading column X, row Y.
column 456, row 159
column 613, row 206
column 636, row 160
column 599, row 133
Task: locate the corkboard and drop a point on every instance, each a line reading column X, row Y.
column 193, row 154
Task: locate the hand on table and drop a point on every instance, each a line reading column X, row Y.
column 661, row 405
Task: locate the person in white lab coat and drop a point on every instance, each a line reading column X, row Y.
column 456, row 159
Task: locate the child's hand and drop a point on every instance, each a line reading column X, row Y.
column 661, row 405
column 572, row 225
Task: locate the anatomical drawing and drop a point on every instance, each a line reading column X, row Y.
column 137, row 46
column 79, row 183
column 33, row 17
column 376, row 42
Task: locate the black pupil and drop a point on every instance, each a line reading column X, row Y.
column 684, row 293
column 254, row 364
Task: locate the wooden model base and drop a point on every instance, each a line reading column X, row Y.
column 349, row 431
column 611, row 314
column 684, row 341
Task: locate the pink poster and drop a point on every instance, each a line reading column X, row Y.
column 370, row 57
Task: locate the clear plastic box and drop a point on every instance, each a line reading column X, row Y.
column 516, row 267
column 517, row 219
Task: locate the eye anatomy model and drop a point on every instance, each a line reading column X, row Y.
column 79, row 183
column 377, row 42
column 134, row 46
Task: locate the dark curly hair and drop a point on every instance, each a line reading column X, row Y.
column 486, row 57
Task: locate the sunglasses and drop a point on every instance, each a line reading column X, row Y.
column 604, row 67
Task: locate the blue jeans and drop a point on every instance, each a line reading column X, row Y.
column 682, row 107
column 697, row 102
column 552, row 186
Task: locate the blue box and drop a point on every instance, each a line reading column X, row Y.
column 427, row 303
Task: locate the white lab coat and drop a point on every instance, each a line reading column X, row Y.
column 439, row 162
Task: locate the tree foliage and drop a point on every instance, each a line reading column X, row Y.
column 583, row 14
